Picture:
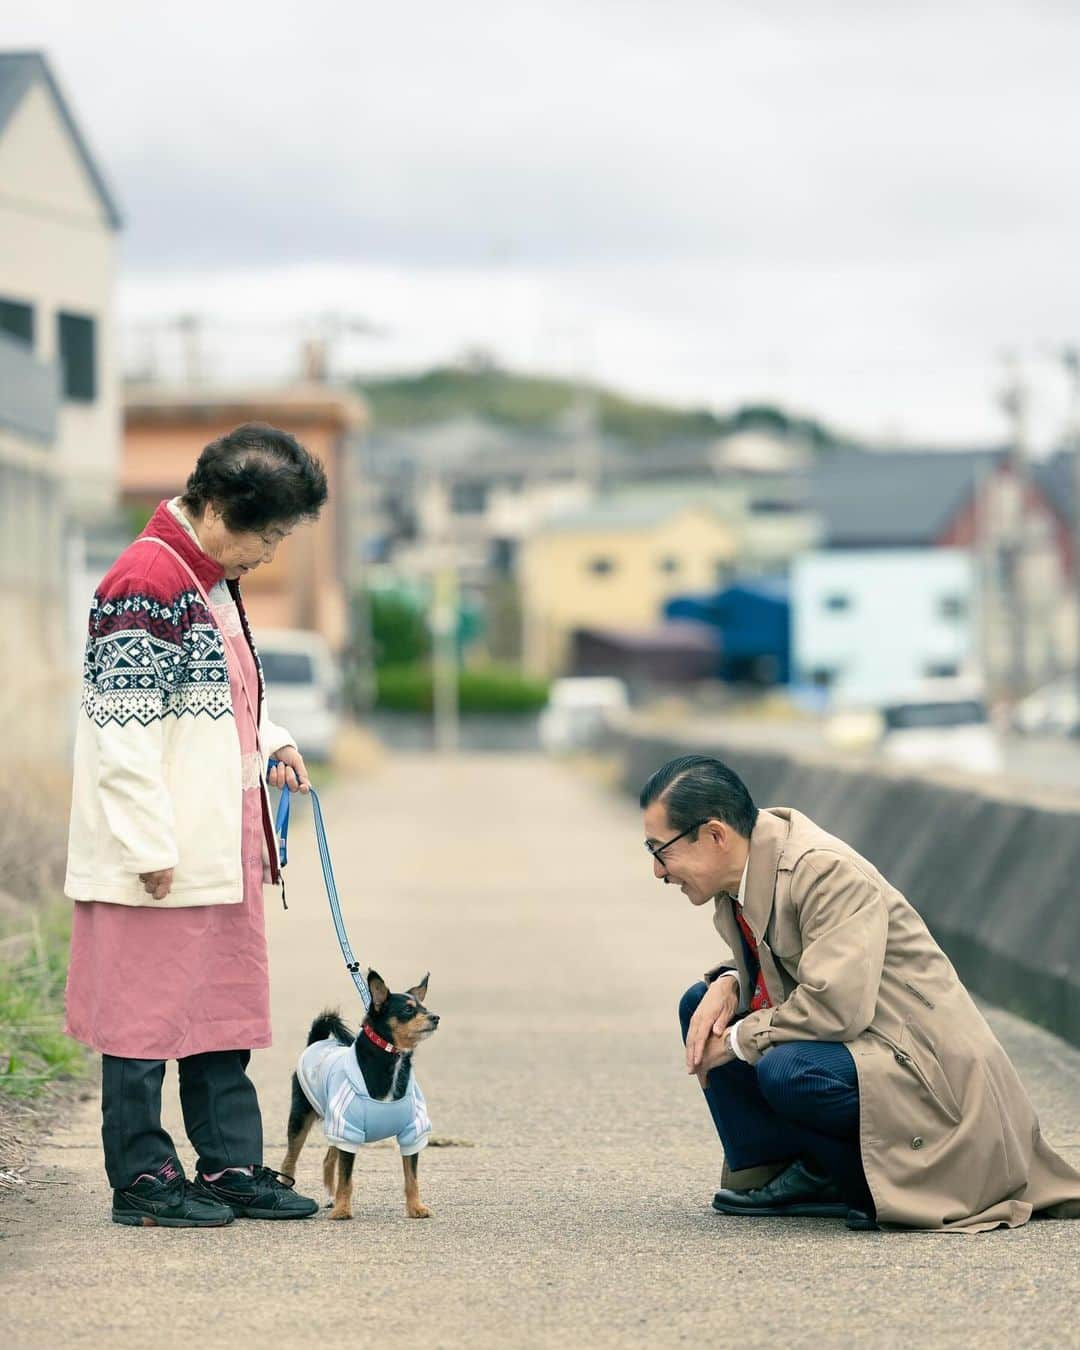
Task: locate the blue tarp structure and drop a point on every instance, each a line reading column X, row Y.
column 753, row 621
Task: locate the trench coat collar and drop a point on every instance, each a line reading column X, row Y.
column 163, row 525
column 767, row 841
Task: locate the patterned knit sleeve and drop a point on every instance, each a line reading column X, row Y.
column 144, row 662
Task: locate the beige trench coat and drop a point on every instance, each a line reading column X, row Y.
column 949, row 1139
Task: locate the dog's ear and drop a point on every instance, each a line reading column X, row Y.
column 379, row 992
column 419, row 991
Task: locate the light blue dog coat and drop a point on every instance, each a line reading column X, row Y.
column 335, row 1087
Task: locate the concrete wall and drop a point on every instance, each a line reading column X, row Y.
column 995, row 878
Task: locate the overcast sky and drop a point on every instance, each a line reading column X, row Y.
column 852, row 208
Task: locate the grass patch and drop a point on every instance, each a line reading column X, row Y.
column 34, row 1052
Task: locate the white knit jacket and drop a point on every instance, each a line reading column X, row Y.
column 158, row 774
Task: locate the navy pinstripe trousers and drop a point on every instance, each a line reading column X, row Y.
column 801, row 1100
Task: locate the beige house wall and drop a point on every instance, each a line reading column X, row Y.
column 561, row 589
column 57, row 253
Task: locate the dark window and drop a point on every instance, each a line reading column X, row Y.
column 919, row 716
column 78, row 357
column 838, row 603
column 952, row 607
column 601, row 567
column 822, row 676
column 468, row 499
column 17, row 320
column 941, row 670
column 287, row 667
column 669, row 565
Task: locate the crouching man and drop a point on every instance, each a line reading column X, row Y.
column 847, row 1070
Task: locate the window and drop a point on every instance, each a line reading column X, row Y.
column 17, row 320
column 837, row 604
column 952, row 607
column 941, row 670
column 601, row 567
column 669, row 565
column 468, row 498
column 823, row 676
column 287, row 667
column 78, row 357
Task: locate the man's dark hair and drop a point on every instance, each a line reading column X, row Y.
column 695, row 788
column 257, row 477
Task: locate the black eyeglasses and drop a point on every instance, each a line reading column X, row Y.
column 656, row 849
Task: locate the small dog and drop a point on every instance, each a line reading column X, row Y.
column 363, row 1088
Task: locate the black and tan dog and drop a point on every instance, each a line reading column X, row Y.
column 364, row 1089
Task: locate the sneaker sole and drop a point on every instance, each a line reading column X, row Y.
column 149, row 1221
column 277, row 1214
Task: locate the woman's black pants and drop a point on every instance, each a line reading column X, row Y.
column 221, row 1114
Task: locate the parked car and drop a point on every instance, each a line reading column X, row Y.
column 1053, row 710
column 578, row 709
column 303, row 685
column 945, row 725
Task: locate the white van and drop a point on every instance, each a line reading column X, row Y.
column 303, row 687
column 946, row 724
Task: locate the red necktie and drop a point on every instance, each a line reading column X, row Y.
column 761, row 997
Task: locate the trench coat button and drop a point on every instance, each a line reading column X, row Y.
column 917, row 1142
column 901, row 1058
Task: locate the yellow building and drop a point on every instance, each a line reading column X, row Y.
column 614, row 565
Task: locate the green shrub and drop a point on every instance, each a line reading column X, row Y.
column 485, row 689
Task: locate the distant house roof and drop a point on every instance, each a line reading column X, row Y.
column 634, row 509
column 19, row 72
column 895, row 498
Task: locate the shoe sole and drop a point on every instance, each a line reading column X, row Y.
column 274, row 1214
column 785, row 1211
column 149, row 1221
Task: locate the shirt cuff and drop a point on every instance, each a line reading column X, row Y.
column 733, row 1041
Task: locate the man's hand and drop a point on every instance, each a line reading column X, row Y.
column 711, row 1018
column 290, row 770
column 717, row 1051
column 157, row 884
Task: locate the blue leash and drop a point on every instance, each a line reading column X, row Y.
column 281, row 829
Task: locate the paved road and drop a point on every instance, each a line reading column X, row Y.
column 578, row 1214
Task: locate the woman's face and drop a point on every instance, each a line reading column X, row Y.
column 239, row 552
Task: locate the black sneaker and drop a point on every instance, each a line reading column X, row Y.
column 265, row 1194
column 167, row 1200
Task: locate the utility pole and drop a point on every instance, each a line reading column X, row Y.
column 1013, row 530
column 444, row 626
column 1070, row 359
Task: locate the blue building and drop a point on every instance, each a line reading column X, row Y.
column 752, row 620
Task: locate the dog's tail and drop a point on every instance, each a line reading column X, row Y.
column 329, row 1024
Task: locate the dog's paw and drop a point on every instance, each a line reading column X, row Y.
column 341, row 1212
column 418, row 1211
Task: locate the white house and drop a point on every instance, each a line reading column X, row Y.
column 58, row 226
column 873, row 624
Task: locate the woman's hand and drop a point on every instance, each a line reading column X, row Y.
column 290, row 771
column 157, row 884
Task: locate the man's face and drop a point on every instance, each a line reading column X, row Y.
column 699, row 867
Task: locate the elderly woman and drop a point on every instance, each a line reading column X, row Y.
column 171, row 838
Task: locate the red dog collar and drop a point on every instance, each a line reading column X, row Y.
column 376, row 1039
